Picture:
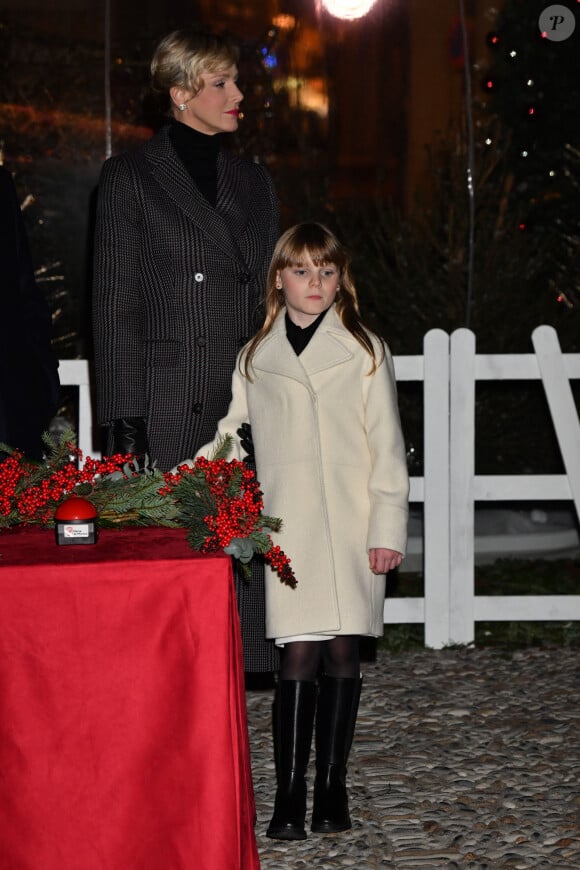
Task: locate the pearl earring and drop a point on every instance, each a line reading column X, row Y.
column 182, row 107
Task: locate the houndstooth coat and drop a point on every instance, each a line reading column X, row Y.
column 177, row 288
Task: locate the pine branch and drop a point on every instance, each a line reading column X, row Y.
column 223, row 447
column 135, row 500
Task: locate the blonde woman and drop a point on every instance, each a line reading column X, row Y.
column 184, row 235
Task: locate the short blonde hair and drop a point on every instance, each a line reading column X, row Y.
column 183, row 56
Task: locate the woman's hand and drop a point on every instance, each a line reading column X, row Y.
column 382, row 560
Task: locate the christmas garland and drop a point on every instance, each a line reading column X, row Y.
column 218, row 501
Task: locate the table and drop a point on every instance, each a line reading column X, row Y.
column 123, row 734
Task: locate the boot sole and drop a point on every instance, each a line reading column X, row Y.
column 329, row 828
column 286, row 834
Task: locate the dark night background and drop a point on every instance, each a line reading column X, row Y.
column 366, row 124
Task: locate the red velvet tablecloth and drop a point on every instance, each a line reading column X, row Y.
column 123, row 736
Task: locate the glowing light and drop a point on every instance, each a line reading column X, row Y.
column 561, row 297
column 513, row 53
column 305, row 93
column 524, row 153
column 349, row 9
column 530, row 83
column 284, row 21
column 488, row 141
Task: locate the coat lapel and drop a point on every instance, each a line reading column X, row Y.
column 276, row 356
column 326, row 349
column 167, row 169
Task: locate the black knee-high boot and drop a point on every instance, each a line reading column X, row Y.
column 294, row 704
column 338, row 701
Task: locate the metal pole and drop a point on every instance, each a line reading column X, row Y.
column 107, row 79
column 470, row 168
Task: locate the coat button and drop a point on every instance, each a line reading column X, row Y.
column 245, row 278
column 197, row 408
column 201, row 341
column 198, row 277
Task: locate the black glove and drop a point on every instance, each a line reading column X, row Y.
column 129, row 435
column 246, row 441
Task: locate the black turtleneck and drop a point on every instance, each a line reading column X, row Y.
column 199, row 153
column 299, row 337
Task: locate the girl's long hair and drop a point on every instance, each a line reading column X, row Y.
column 317, row 241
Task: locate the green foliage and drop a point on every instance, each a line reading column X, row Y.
column 132, row 501
column 261, row 538
column 218, row 502
column 223, row 447
column 57, row 448
column 195, row 499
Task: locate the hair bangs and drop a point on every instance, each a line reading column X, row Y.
column 314, row 241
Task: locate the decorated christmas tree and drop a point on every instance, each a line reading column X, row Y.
column 532, row 85
column 415, row 270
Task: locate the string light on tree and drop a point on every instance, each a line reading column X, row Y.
column 348, row 9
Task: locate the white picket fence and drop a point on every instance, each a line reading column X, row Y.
column 76, row 373
column 449, row 488
column 449, row 369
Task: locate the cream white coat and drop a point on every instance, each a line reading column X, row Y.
column 331, row 462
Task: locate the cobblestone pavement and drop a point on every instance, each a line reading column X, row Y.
column 461, row 759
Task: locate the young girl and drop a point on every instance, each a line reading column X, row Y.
column 318, row 390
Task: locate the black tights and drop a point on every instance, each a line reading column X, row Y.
column 339, row 657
